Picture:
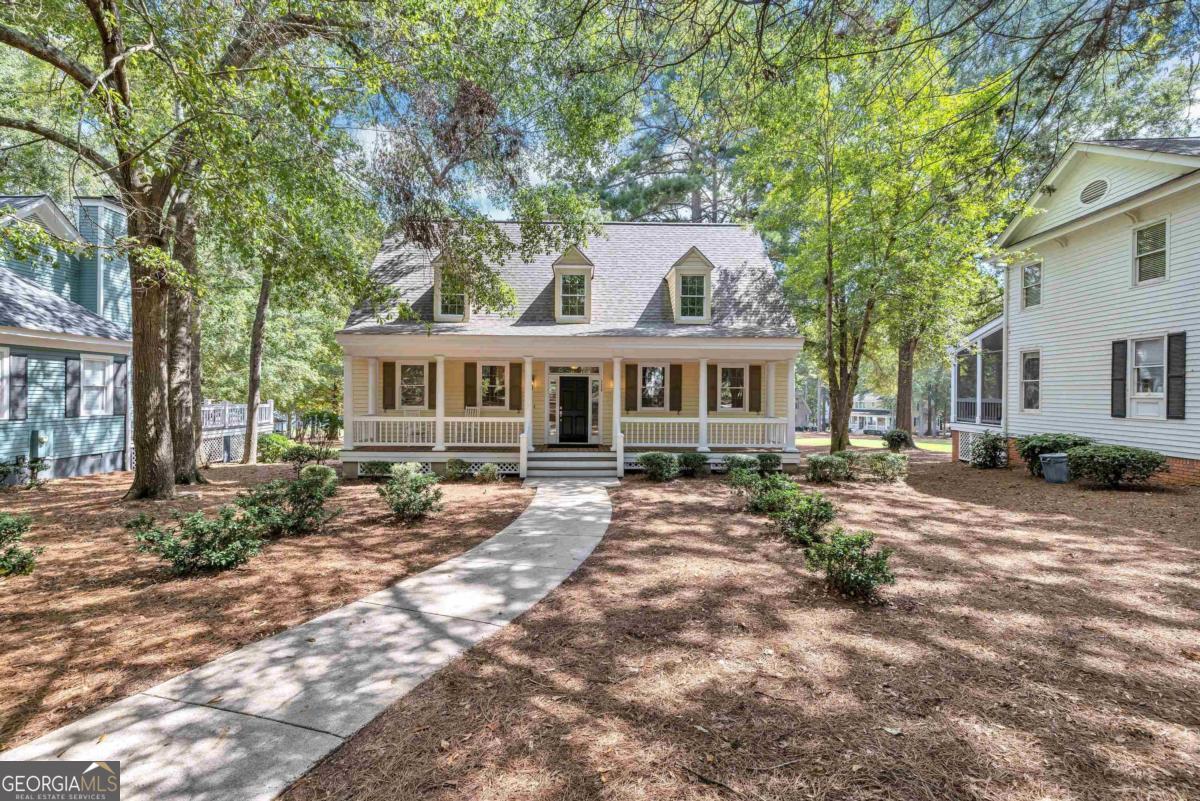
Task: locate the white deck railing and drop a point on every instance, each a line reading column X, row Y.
column 422, row 431
column 233, row 415
column 664, row 432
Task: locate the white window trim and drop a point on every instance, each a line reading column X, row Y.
column 400, row 404
column 559, row 273
column 108, row 384
column 479, row 385
column 5, row 382
column 745, row 368
column 438, row 316
column 1166, row 223
column 707, row 295
column 1131, row 393
column 1022, row 380
column 1041, row 285
column 666, row 404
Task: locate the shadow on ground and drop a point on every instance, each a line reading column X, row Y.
column 1042, row 642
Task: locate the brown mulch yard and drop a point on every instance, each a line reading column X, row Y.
column 1042, row 642
column 97, row 621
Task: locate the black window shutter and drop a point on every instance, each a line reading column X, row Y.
column 516, row 387
column 712, row 387
column 1176, row 376
column 120, row 387
column 389, row 385
column 470, row 395
column 18, row 384
column 71, row 394
column 755, row 380
column 431, row 384
column 676, row 387
column 1120, row 375
column 631, row 387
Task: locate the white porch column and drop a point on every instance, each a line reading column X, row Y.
column 702, row 405
column 527, row 400
column 770, row 404
column 372, row 384
column 616, row 399
column 954, row 388
column 790, row 434
column 347, row 402
column 439, row 406
column 978, row 382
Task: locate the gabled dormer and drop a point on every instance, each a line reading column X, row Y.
column 573, row 272
column 449, row 305
column 689, row 284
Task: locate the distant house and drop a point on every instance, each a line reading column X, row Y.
column 869, row 415
column 65, row 341
column 1101, row 298
column 650, row 336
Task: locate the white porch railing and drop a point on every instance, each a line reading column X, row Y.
column 661, row 432
column 233, row 415
column 504, row 431
column 422, row 431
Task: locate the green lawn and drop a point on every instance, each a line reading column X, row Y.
column 925, row 444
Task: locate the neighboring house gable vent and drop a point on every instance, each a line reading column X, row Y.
column 1093, row 191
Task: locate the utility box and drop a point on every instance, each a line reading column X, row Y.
column 1054, row 468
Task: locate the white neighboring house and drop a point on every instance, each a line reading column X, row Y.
column 1101, row 298
column 869, row 415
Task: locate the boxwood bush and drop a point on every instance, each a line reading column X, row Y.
column 271, row 447
column 16, row 558
column 457, row 470
column 1031, row 448
column 411, row 496
column 488, row 473
column 771, row 494
column 887, row 466
column 291, row 508
column 198, row 544
column 1113, row 465
column 825, row 469
column 743, row 479
column 850, row 566
column 989, row 451
column 735, row 461
column 769, row 462
column 803, row 518
column 897, row 438
column 856, row 461
column 659, row 466
column 692, row 463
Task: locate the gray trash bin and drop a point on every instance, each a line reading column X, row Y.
column 1054, row 468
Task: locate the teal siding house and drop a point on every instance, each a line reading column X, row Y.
column 65, row 341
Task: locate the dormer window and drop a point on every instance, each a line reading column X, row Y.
column 572, row 295
column 449, row 301
column 689, row 284
column 573, row 273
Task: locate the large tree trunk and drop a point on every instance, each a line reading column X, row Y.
column 904, row 386
column 154, row 468
column 182, row 384
column 841, row 401
column 250, row 451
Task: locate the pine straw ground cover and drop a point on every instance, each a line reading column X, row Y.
column 1043, row 642
column 97, row 621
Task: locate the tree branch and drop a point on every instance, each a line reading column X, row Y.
column 62, row 140
column 42, row 49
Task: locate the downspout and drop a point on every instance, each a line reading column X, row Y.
column 1004, row 371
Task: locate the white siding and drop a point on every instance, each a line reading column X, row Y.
column 1126, row 177
column 1088, row 300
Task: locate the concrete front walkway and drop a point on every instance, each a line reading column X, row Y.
column 251, row 722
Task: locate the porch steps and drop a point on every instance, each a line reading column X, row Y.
column 572, row 464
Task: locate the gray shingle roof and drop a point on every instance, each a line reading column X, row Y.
column 1177, row 145
column 24, row 304
column 18, row 202
column 629, row 293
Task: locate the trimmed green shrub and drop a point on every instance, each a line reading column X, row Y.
column 769, row 462
column 989, row 451
column 272, row 447
column 299, row 455
column 198, row 544
column 743, row 479
column 692, row 463
column 16, row 559
column 291, row 508
column 735, row 461
column 1113, row 465
column 488, row 473
column 897, row 439
column 1031, row 448
column 803, row 518
column 412, row 496
column 659, row 466
column 771, row 493
column 850, row 566
column 856, row 462
column 887, row 466
column 825, row 469
column 457, row 470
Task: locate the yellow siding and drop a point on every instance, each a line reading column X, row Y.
column 539, row 403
